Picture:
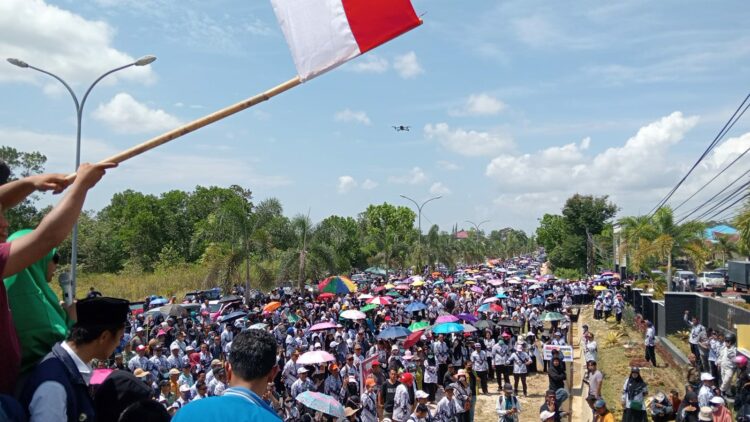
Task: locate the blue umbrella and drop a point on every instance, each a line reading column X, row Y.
column 537, row 301
column 322, row 403
column 438, row 283
column 415, row 307
column 447, row 328
column 158, row 301
column 392, row 333
column 501, row 296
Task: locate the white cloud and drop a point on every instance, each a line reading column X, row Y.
column 448, row 166
column 480, row 105
column 415, row 176
column 438, row 188
column 348, row 115
column 54, row 39
column 126, row 115
column 407, row 65
column 346, row 184
column 469, row 143
column 369, row 184
column 371, row 63
column 643, row 162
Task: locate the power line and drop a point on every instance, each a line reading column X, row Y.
column 728, row 125
column 711, row 199
column 731, row 195
column 742, row 198
column 713, row 178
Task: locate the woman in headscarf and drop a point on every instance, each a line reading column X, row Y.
column 633, row 395
column 39, row 319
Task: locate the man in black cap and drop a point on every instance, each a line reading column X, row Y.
column 57, row 390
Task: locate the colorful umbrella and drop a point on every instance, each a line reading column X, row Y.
column 490, row 307
column 490, row 300
column 467, row 317
column 419, row 325
column 394, row 332
column 477, row 289
column 292, row 318
column 418, row 284
column 315, row 357
column 413, row 338
column 338, row 285
column 393, row 294
column 326, row 296
column 380, row 300
column 353, row 314
column 415, row 307
column 390, row 286
column 369, row 307
column 272, row 307
column 402, row 287
column 322, row 403
column 323, row 326
column 599, row 288
column 447, row 328
column 446, row 318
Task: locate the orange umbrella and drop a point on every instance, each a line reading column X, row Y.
column 272, row 307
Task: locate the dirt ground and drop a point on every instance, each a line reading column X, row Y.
column 537, row 383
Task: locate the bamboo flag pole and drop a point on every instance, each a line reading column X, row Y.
column 197, row 124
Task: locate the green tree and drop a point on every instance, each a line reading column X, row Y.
column 388, row 233
column 23, row 164
column 586, row 216
column 551, row 232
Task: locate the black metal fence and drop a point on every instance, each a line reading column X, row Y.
column 668, row 315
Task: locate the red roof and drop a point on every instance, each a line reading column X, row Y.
column 463, row 234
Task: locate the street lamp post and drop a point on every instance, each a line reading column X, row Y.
column 419, row 209
column 143, row 61
column 476, row 226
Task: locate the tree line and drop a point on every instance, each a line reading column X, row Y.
column 236, row 239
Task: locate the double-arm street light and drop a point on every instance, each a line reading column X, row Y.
column 476, row 226
column 419, row 210
column 143, row 61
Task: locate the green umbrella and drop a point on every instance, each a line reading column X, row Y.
column 552, row 316
column 368, row 307
column 375, row 270
column 292, row 318
column 416, row 326
column 393, row 294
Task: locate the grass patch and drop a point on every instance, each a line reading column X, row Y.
column 616, row 360
column 680, row 341
column 176, row 281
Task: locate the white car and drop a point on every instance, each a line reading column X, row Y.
column 711, row 280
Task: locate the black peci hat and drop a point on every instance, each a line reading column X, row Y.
column 102, row 311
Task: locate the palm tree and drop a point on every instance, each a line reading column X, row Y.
column 678, row 239
column 742, row 223
column 725, row 247
column 637, row 233
column 311, row 258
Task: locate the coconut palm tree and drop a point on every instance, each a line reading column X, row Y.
column 678, row 239
column 725, row 246
column 310, row 258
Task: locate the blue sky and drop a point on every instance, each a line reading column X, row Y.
column 513, row 105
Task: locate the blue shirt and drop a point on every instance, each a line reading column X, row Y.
column 238, row 404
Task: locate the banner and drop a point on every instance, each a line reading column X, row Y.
column 567, row 352
column 365, row 369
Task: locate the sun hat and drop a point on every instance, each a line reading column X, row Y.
column 140, row 373
column 302, row 370
column 716, row 400
column 421, row 394
column 705, row 376
column 706, row 414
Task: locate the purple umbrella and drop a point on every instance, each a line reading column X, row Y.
column 323, row 326
column 446, row 318
column 468, row 318
column 477, row 289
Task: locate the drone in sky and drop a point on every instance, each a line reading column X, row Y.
column 401, row 128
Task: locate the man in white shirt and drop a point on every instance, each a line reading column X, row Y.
column 57, row 390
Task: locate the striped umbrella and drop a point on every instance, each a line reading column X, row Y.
column 380, row 300
column 337, row 285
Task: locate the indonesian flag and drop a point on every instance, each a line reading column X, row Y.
column 323, row 34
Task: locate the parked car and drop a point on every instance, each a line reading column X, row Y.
column 711, row 280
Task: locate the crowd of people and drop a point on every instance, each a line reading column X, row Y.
column 397, row 347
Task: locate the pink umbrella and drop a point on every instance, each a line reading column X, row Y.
column 446, row 318
column 403, row 287
column 380, row 300
column 323, row 326
column 477, row 289
column 491, row 299
column 495, row 282
column 315, row 357
column 100, row 375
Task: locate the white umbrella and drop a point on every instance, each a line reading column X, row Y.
column 315, row 357
column 364, row 296
column 353, row 314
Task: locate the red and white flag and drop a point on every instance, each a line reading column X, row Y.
column 323, row 34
